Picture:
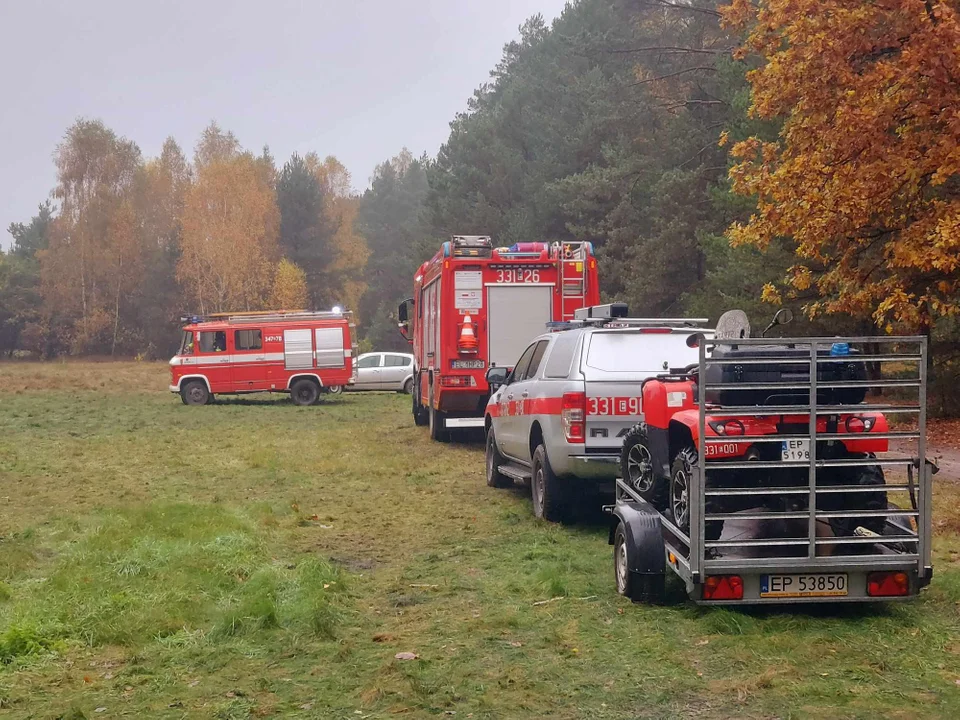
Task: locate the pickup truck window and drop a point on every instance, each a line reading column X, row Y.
column 561, row 355
column 535, row 360
column 520, row 371
column 639, row 352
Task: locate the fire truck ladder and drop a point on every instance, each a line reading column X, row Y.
column 573, row 257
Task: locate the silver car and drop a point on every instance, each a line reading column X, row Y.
column 384, row 371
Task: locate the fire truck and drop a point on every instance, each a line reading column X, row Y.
column 476, row 306
column 302, row 353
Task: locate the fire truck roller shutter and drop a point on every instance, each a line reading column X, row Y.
column 515, row 315
column 297, row 349
column 329, row 347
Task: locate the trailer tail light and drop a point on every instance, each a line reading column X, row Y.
column 727, row 428
column 888, row 584
column 457, row 381
column 723, row 587
column 573, row 415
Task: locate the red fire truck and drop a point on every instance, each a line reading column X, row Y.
column 476, row 306
column 303, row 353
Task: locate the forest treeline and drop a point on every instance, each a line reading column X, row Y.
column 741, row 154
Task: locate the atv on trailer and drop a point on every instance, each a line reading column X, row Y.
column 658, row 454
column 758, row 476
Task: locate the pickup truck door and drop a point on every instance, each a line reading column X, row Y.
column 528, row 390
column 507, row 430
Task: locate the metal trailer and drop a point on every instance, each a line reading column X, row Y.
column 747, row 565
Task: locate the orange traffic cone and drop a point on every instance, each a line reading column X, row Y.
column 468, row 338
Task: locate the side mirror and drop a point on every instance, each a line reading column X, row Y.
column 404, row 312
column 497, row 376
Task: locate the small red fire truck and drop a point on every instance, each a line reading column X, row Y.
column 303, row 353
column 475, row 307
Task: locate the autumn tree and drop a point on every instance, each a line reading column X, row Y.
column 91, row 241
column 289, row 290
column 229, row 239
column 865, row 176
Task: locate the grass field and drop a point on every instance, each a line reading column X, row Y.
column 256, row 559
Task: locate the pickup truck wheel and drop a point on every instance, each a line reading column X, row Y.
column 194, row 392
column 638, row 470
column 494, row 460
column 304, row 392
column 681, row 480
column 548, row 491
column 638, row 587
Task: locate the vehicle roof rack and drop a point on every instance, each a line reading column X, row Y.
column 273, row 316
column 617, row 314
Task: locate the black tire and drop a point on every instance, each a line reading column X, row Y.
column 638, row 470
column 436, row 418
column 195, row 392
column 408, row 387
column 304, row 392
column 639, row 587
column 680, row 478
column 420, row 415
column 549, row 492
column 871, row 475
column 493, row 460
column 334, row 389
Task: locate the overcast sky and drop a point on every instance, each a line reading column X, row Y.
column 359, row 79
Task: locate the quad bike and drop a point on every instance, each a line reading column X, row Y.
column 660, row 454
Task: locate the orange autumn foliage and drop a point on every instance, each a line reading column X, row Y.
column 866, row 174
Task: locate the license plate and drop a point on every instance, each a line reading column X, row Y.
column 468, row 364
column 795, row 450
column 799, row 586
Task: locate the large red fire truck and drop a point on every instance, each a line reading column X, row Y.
column 476, row 306
column 303, row 353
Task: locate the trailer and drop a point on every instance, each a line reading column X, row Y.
column 832, row 503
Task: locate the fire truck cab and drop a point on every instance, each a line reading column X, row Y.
column 475, row 307
column 303, row 353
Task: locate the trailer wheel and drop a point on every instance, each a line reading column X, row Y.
column 195, row 392
column 548, row 491
column 304, row 392
column 638, row 469
column 639, row 587
column 681, row 477
column 494, row 459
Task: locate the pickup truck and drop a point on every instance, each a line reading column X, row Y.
column 558, row 418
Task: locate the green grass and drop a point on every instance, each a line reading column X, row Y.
column 255, row 559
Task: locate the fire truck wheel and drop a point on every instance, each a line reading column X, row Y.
column 195, row 392
column 408, row 387
column 548, row 491
column 304, row 392
column 437, row 431
column 681, row 478
column 637, row 467
column 494, row 460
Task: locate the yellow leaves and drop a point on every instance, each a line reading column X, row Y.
column 771, row 295
column 289, row 287
column 724, row 139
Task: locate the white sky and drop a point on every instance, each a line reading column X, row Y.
column 359, row 79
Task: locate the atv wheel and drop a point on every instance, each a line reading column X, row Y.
column 870, row 475
column 638, row 470
column 681, row 480
column 494, row 460
column 548, row 491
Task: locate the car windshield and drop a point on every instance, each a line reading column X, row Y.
column 639, row 352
